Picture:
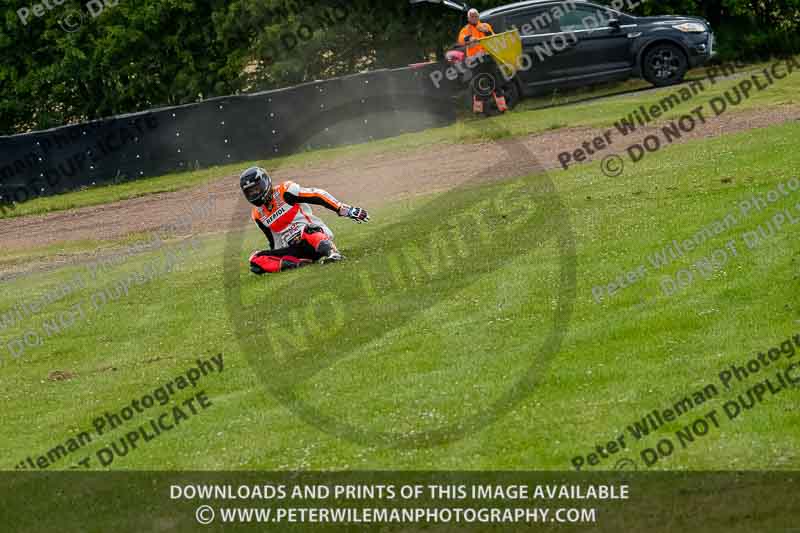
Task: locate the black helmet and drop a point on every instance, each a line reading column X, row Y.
column 256, row 185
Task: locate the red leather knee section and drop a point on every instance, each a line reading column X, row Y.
column 270, row 264
column 315, row 238
column 267, row 263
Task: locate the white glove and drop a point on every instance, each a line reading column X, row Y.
column 356, row 213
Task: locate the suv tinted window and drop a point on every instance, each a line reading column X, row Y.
column 584, row 18
column 532, row 21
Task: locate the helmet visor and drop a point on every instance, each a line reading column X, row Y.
column 256, row 190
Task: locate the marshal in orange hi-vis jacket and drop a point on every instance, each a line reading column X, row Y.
column 296, row 236
column 473, row 31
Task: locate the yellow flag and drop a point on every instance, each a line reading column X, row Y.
column 506, row 49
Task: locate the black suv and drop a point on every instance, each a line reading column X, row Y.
column 574, row 43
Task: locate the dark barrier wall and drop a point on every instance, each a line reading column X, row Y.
column 218, row 131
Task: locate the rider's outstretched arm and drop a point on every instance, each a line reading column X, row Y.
column 295, row 194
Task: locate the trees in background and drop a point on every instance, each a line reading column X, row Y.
column 68, row 66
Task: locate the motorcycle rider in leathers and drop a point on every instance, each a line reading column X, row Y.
column 296, row 237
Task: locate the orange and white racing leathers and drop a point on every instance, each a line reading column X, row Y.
column 295, row 235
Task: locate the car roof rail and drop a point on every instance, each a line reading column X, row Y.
column 458, row 6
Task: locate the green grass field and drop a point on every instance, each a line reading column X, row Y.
column 425, row 349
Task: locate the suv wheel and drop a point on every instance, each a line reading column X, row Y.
column 664, row 64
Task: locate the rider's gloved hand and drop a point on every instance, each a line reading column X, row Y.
column 467, row 38
column 356, row 213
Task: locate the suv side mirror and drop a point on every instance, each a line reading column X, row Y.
column 614, row 24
